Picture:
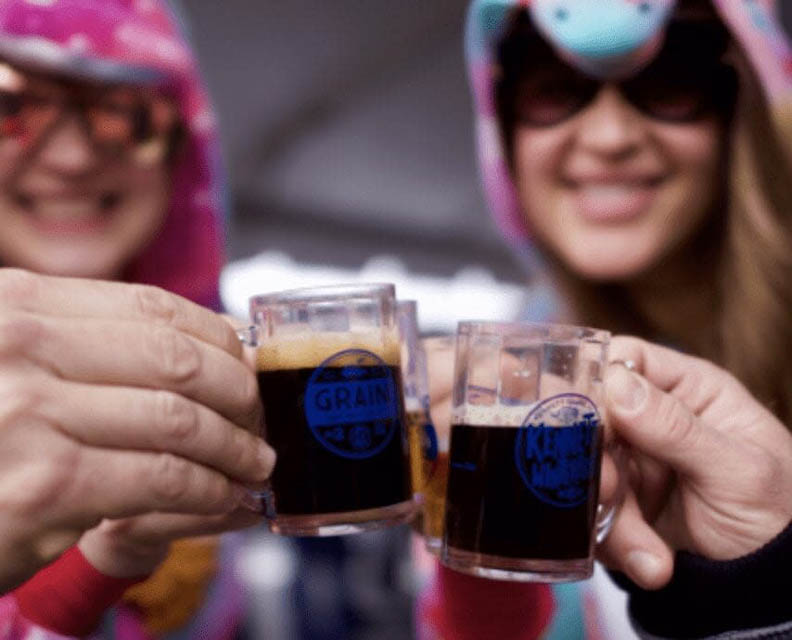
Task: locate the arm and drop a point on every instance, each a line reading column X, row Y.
column 749, row 594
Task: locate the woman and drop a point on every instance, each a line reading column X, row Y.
column 108, row 154
column 635, row 152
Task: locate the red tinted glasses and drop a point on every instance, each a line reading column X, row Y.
column 116, row 119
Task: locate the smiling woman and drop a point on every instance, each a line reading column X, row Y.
column 613, row 177
column 108, row 158
column 645, row 193
column 85, row 172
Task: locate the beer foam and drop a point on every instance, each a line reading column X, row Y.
column 495, row 415
column 309, row 350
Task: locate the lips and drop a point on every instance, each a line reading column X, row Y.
column 68, row 212
column 613, row 199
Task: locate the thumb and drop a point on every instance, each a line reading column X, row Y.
column 658, row 424
column 636, row 549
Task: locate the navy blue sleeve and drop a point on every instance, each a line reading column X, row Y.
column 706, row 598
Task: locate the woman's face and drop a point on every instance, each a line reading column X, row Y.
column 611, row 191
column 69, row 208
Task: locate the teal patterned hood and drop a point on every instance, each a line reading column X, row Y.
column 609, row 39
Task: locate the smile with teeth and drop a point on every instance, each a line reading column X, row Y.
column 613, row 201
column 69, row 213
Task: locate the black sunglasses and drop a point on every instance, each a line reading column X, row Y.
column 687, row 81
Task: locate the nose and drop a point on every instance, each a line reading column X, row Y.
column 610, row 126
column 67, row 149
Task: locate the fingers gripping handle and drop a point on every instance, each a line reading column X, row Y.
column 607, row 511
column 249, row 336
column 617, row 450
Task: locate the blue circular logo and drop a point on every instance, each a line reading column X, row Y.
column 352, row 405
column 556, row 450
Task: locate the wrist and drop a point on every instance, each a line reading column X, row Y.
column 112, row 551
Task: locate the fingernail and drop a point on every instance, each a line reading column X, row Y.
column 626, row 389
column 248, row 501
column 266, row 459
column 643, row 567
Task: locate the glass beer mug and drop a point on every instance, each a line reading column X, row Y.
column 328, row 365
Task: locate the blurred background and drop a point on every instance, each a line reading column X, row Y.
column 348, row 136
column 347, row 132
column 347, row 129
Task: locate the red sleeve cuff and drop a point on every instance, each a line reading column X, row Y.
column 70, row 596
column 472, row 608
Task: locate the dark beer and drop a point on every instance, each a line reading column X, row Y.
column 335, row 417
column 492, row 510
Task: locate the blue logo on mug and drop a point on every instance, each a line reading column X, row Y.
column 429, row 443
column 353, row 410
column 556, row 449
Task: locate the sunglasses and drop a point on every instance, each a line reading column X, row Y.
column 688, row 81
column 116, row 120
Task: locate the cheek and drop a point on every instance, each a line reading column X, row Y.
column 538, row 156
column 146, row 203
column 135, row 224
column 696, row 155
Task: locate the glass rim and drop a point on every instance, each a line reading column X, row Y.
column 325, row 293
column 542, row 330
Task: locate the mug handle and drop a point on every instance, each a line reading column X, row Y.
column 607, row 511
column 249, row 336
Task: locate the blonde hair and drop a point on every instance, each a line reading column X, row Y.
column 750, row 253
column 756, row 324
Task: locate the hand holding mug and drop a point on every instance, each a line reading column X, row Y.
column 711, row 467
column 116, row 400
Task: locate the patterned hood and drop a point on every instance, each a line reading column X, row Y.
column 608, row 39
column 139, row 42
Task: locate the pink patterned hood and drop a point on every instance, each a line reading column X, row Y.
column 606, row 38
column 139, row 41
